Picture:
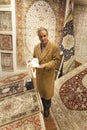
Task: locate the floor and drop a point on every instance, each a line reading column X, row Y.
column 50, row 123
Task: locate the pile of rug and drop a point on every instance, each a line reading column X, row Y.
column 34, row 122
column 13, row 84
column 69, row 104
column 19, row 109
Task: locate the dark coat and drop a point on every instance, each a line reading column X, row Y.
column 45, row 77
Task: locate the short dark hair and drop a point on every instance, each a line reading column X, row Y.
column 42, row 29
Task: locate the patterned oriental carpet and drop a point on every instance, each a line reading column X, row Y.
column 13, row 84
column 34, row 122
column 69, row 104
column 13, row 78
column 22, row 108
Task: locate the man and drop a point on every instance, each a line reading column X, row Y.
column 49, row 60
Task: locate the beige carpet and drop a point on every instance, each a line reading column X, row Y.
column 19, row 109
column 18, row 106
column 69, row 104
column 12, row 84
column 34, row 122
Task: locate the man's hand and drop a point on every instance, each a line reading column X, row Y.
column 42, row 66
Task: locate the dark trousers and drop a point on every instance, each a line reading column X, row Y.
column 46, row 103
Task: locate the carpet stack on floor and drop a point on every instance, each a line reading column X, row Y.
column 19, row 109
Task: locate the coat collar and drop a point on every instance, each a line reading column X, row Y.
column 44, row 53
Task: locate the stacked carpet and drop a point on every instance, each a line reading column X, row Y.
column 19, row 109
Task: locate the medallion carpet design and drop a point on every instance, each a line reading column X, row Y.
column 19, row 106
column 67, row 40
column 69, row 104
column 74, row 92
column 34, row 122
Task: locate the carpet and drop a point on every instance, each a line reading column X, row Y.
column 69, row 104
column 34, row 122
column 18, row 106
column 12, row 84
column 12, row 78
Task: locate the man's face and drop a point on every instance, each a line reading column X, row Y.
column 43, row 36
